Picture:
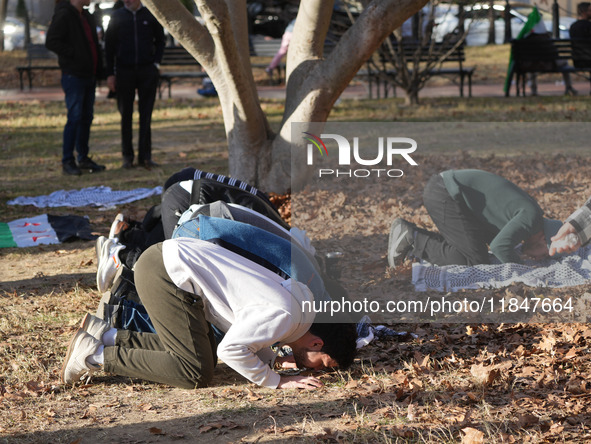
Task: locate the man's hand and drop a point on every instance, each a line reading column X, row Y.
column 301, row 382
column 555, row 247
column 111, row 84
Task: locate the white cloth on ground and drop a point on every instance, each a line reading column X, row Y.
column 100, row 196
column 567, row 271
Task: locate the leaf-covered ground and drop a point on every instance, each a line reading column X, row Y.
column 453, row 382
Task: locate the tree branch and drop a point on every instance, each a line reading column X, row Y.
column 361, row 40
column 246, row 125
column 185, row 28
column 309, row 34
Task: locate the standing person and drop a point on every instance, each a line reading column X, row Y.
column 474, row 211
column 579, row 224
column 72, row 36
column 134, row 43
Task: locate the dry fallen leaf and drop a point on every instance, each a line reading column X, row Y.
column 472, row 436
column 527, row 420
column 352, row 384
column 485, row 375
column 510, row 439
column 252, row 395
column 547, row 343
column 218, row 425
column 576, row 386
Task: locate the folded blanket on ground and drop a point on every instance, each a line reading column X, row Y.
column 92, row 196
column 44, row 229
column 567, row 271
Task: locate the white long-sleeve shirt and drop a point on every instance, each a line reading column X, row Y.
column 252, row 305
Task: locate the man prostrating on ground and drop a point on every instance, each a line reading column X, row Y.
column 187, row 284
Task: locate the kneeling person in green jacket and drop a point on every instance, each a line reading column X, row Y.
column 474, row 211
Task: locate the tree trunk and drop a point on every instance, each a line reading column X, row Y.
column 3, row 6
column 313, row 82
column 491, row 24
column 412, row 96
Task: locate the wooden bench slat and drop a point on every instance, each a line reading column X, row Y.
column 177, row 56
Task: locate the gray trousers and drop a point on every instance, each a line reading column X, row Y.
column 462, row 238
column 182, row 353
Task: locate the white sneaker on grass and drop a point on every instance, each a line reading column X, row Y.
column 94, row 326
column 75, row 368
column 108, row 262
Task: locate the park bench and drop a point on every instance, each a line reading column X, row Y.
column 175, row 57
column 380, row 69
column 39, row 58
column 267, row 48
column 538, row 56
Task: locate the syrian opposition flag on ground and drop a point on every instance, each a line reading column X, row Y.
column 533, row 25
column 44, row 229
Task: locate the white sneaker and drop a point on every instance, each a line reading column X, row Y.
column 75, row 368
column 118, row 225
column 94, row 326
column 108, row 262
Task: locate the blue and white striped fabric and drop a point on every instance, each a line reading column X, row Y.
column 227, row 180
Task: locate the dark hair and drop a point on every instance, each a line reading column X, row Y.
column 583, row 7
column 339, row 341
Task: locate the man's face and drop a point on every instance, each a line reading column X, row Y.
column 132, row 4
column 313, row 359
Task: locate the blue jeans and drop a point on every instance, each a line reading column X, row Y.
column 80, row 104
column 134, row 317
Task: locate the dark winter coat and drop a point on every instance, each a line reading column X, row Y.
column 133, row 40
column 66, row 37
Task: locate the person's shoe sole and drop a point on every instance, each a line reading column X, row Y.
column 118, row 225
column 72, row 172
column 91, row 166
column 397, row 235
column 106, row 271
column 71, row 347
column 85, row 370
column 98, row 247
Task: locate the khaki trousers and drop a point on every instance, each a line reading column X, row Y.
column 182, row 353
